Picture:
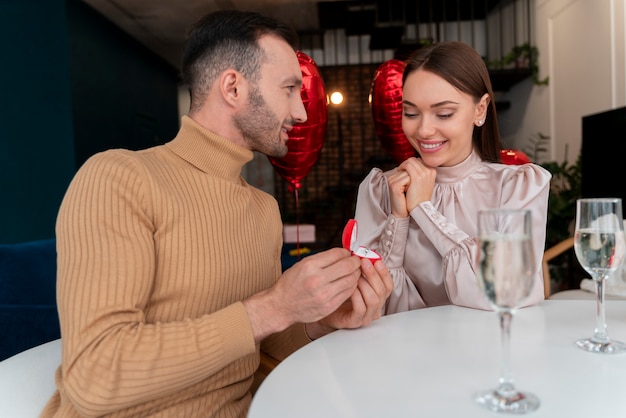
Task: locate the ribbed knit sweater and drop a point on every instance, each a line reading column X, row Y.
column 156, row 250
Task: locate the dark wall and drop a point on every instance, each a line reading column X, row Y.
column 36, row 139
column 71, row 84
column 123, row 94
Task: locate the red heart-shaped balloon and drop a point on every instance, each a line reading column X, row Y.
column 386, row 96
column 513, row 157
column 306, row 139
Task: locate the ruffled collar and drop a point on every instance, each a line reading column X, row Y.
column 460, row 171
column 209, row 152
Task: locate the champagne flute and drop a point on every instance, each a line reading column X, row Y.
column 505, row 274
column 599, row 247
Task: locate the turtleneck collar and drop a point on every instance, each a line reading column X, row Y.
column 460, row 171
column 209, row 152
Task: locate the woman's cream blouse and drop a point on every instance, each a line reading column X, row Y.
column 431, row 254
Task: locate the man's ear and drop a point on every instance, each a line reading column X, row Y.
column 233, row 87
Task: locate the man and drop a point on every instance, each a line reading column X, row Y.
column 169, row 272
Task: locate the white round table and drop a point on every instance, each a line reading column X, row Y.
column 429, row 363
column 27, row 380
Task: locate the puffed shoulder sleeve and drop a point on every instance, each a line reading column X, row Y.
column 528, row 187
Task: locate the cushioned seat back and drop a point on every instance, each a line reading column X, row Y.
column 28, row 273
column 28, row 310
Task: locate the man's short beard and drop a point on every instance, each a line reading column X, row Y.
column 257, row 123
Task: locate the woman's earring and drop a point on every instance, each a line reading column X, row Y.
column 479, row 122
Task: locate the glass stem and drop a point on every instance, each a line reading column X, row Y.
column 599, row 334
column 506, row 388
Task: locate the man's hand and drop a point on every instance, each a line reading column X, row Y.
column 310, row 290
column 365, row 304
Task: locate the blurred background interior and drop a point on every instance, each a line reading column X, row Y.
column 79, row 77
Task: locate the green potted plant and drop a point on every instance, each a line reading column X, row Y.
column 524, row 56
column 565, row 188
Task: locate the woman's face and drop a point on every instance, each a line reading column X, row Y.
column 438, row 119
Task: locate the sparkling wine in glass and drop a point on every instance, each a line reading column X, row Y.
column 599, row 247
column 505, row 273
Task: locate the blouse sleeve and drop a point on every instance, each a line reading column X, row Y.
column 379, row 230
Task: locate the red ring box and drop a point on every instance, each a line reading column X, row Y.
column 349, row 241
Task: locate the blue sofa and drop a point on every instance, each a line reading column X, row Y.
column 28, row 309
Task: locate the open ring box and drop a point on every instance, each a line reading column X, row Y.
column 349, row 241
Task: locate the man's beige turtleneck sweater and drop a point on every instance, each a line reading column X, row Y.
column 156, row 250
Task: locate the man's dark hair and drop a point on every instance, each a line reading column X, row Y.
column 227, row 39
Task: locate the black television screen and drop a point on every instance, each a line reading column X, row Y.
column 603, row 155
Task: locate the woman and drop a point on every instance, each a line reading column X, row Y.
column 422, row 215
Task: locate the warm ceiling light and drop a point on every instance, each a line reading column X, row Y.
column 336, row 98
